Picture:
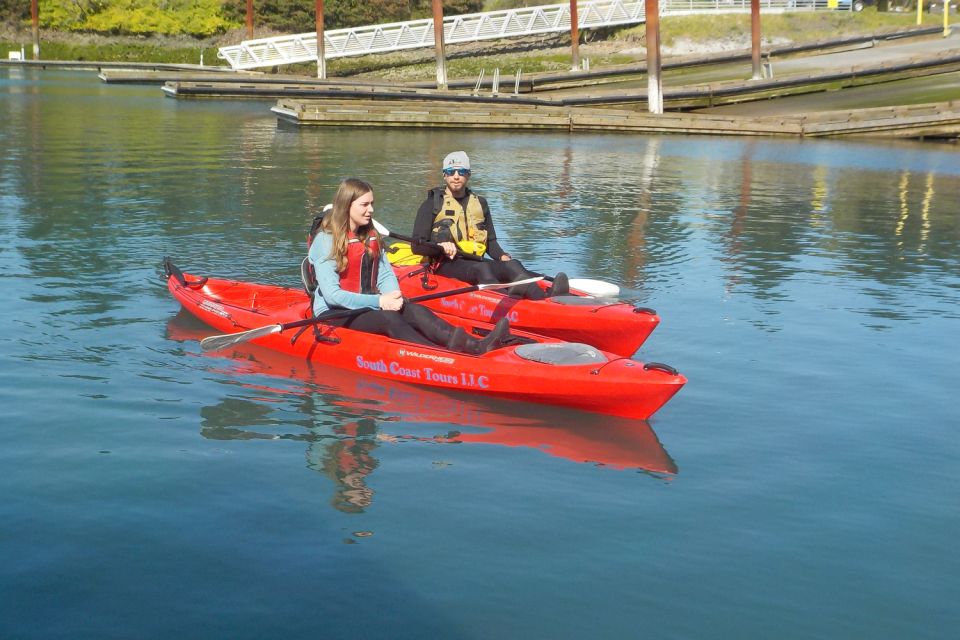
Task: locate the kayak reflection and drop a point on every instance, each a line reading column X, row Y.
column 346, row 416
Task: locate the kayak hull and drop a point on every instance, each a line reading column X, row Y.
column 616, row 385
column 608, row 325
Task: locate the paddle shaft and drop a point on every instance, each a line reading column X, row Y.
column 346, row 313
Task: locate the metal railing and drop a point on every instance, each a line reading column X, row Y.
column 415, row 34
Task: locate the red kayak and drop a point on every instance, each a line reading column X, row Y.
column 615, row 443
column 608, row 325
column 536, row 369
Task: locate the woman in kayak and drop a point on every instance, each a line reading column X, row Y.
column 353, row 273
column 454, row 229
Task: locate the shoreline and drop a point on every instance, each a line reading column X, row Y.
column 680, row 36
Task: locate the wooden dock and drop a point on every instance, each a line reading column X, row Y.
column 936, row 120
column 678, row 98
column 162, row 76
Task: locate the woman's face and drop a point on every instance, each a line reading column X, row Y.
column 361, row 211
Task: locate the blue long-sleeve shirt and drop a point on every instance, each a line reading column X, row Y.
column 329, row 294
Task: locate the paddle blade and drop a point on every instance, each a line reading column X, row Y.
column 597, row 288
column 382, row 230
column 215, row 343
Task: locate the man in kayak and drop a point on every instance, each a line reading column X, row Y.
column 353, row 272
column 454, row 229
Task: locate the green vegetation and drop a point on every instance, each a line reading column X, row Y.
column 204, row 18
column 197, row 18
column 799, row 26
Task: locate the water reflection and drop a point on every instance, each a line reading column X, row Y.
column 344, row 417
column 99, row 180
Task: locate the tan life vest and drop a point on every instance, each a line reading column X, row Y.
column 465, row 228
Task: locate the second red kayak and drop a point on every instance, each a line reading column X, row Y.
column 608, row 325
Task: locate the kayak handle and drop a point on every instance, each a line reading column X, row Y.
column 660, row 367
column 646, row 310
column 171, row 269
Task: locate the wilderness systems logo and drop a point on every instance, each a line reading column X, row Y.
column 426, row 356
column 214, row 308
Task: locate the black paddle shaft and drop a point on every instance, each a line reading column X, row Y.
column 346, row 313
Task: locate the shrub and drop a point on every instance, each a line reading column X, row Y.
column 169, row 17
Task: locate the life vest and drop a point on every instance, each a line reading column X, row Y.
column 451, row 223
column 362, row 270
column 360, row 276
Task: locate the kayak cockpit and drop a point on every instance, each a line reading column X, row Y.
column 561, row 353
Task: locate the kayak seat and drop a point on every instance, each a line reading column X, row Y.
column 308, row 276
column 561, row 353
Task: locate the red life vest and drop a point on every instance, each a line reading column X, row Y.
column 360, row 276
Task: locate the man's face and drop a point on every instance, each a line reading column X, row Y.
column 456, row 179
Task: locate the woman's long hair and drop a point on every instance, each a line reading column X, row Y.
column 337, row 222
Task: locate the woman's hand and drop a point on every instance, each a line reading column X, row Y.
column 392, row 301
column 449, row 249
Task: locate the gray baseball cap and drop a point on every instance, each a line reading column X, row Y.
column 456, row 160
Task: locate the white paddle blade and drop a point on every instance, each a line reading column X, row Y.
column 597, row 288
column 507, row 285
column 215, row 343
column 382, row 230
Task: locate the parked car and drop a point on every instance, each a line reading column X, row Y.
column 858, row 5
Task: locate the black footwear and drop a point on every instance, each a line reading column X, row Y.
column 561, row 285
column 493, row 339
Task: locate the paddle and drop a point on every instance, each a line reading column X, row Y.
column 215, row 343
column 598, row 288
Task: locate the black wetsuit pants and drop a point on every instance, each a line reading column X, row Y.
column 414, row 323
column 491, row 271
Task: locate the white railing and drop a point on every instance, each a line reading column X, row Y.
column 415, row 34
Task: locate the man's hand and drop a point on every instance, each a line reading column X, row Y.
column 392, row 301
column 506, row 257
column 449, row 249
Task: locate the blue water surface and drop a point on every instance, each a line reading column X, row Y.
column 802, row 485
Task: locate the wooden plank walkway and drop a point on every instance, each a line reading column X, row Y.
column 936, row 120
column 335, row 91
column 162, row 76
column 933, row 120
column 674, row 98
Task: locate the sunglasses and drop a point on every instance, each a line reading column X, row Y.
column 459, row 172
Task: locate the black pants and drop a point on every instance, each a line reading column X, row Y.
column 414, row 323
column 491, row 271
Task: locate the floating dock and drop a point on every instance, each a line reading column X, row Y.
column 936, row 120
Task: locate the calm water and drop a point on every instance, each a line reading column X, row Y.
column 803, row 485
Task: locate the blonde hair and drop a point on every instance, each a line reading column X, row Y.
column 337, row 222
